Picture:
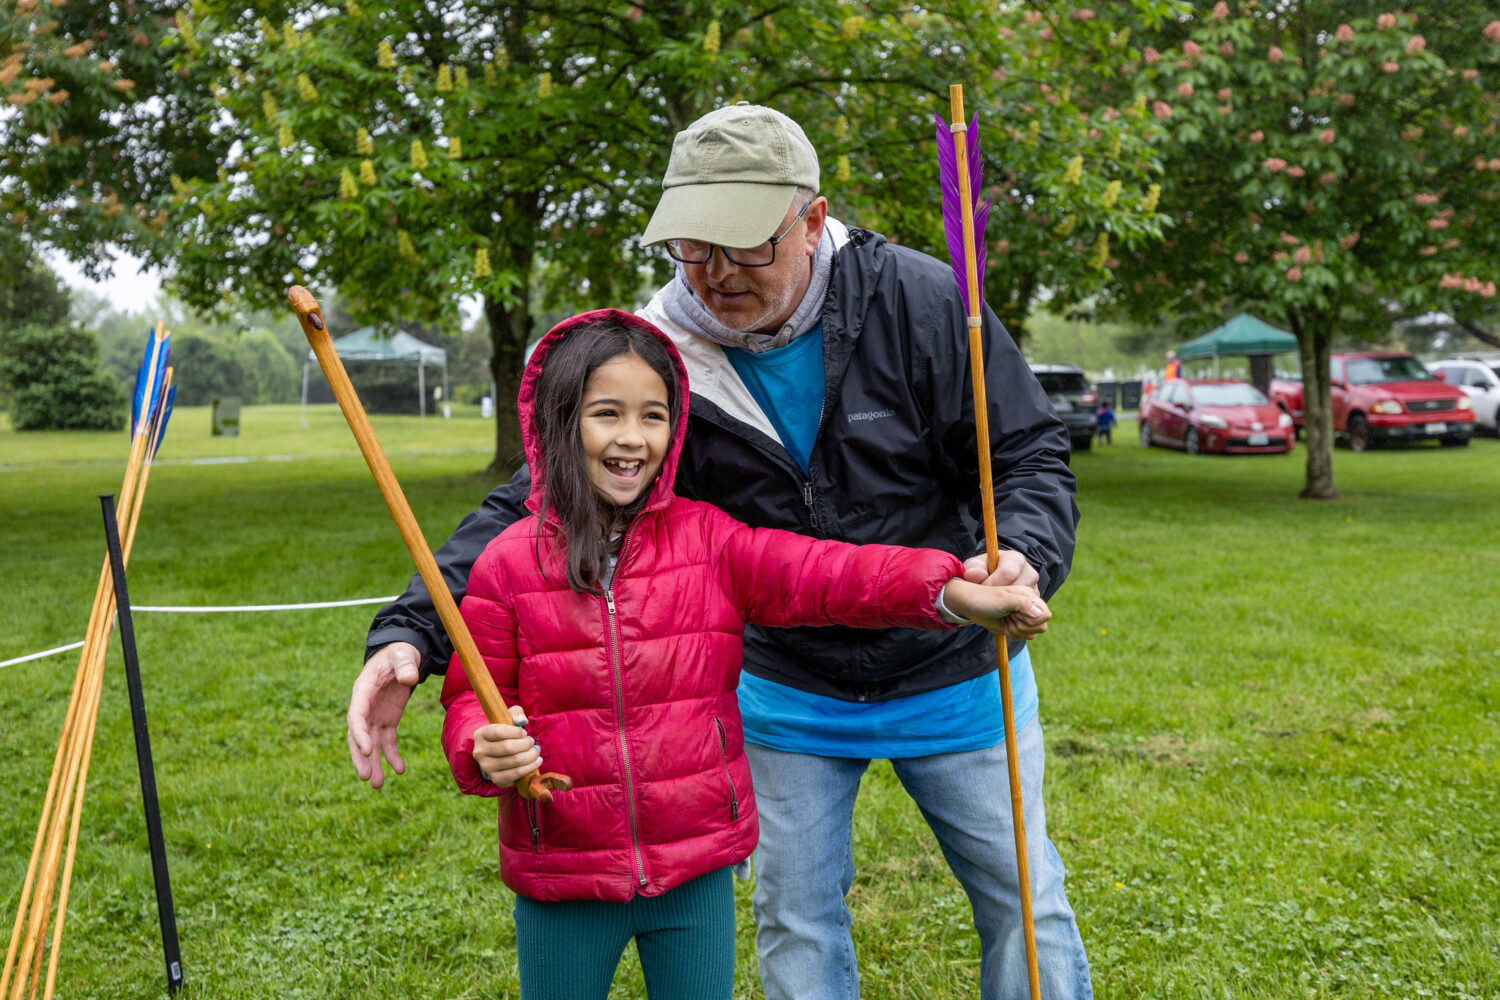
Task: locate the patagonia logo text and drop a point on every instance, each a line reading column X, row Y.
column 871, row 415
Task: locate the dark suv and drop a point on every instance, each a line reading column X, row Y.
column 1073, row 398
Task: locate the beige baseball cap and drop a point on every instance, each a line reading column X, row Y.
column 731, row 178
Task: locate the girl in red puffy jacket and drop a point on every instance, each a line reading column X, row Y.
column 614, row 615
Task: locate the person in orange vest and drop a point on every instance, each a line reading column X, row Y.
column 1174, row 367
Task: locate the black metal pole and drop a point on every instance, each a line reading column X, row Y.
column 164, row 911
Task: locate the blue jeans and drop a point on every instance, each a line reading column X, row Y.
column 804, row 867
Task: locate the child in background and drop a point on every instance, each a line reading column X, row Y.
column 615, row 615
column 1106, row 422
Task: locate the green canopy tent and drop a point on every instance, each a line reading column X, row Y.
column 385, row 345
column 1243, row 336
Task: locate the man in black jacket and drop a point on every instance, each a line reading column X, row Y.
column 831, row 396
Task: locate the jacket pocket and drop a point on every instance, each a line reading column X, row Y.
column 723, row 743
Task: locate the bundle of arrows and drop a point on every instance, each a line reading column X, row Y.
column 45, row 889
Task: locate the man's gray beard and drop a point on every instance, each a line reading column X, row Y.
column 764, row 323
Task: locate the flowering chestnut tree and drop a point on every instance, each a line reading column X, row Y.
column 1331, row 172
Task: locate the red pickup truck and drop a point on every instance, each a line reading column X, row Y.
column 1381, row 396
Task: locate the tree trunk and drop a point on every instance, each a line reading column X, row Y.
column 1314, row 336
column 510, row 329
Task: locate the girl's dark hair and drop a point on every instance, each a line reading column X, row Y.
column 588, row 522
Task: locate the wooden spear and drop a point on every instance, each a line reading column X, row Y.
column 959, row 128
column 534, row 785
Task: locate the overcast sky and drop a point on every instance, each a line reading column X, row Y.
column 130, row 290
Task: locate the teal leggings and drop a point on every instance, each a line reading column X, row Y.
column 685, row 938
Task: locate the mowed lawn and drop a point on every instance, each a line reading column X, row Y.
column 1273, row 730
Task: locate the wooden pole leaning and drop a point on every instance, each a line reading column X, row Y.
column 65, row 788
column 991, row 535
column 310, row 314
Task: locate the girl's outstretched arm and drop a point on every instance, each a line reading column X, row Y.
column 1015, row 612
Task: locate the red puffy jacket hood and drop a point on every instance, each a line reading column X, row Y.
column 661, row 490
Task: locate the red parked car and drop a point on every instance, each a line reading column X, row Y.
column 1287, row 394
column 1390, row 396
column 1215, row 415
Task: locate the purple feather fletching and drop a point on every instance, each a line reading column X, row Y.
column 953, row 220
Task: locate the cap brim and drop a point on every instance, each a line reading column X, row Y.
column 728, row 215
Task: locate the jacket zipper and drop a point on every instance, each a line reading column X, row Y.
column 614, row 654
column 734, row 798
column 807, row 484
column 531, row 809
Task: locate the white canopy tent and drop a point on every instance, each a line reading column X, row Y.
column 384, row 345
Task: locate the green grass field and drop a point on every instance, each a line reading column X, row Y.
column 1273, row 729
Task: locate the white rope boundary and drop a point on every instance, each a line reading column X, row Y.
column 209, row 610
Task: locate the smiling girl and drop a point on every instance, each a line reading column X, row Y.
column 615, row 615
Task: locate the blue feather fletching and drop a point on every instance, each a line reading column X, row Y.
column 953, row 220
column 138, row 397
column 161, row 423
column 143, row 403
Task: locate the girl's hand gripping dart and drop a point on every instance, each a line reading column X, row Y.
column 534, row 785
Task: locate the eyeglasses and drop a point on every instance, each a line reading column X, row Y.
column 699, row 252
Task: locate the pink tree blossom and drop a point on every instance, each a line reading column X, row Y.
column 1385, row 21
column 1275, row 164
column 1346, row 100
column 1192, row 48
column 1326, row 137
column 1415, row 45
column 1294, row 273
column 1492, row 32
column 1161, row 109
column 1226, row 49
column 1471, row 75
column 1242, row 258
column 1293, row 170
column 1151, row 55
column 1344, row 34
column 1390, row 66
column 1327, row 178
column 1274, row 54
column 1257, row 136
column 1083, row 14
column 1302, row 255
column 1221, row 10
column 1184, row 89
column 1225, row 94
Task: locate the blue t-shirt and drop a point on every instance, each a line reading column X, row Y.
column 964, row 716
column 787, row 384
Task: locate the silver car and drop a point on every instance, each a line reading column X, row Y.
column 1480, row 381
